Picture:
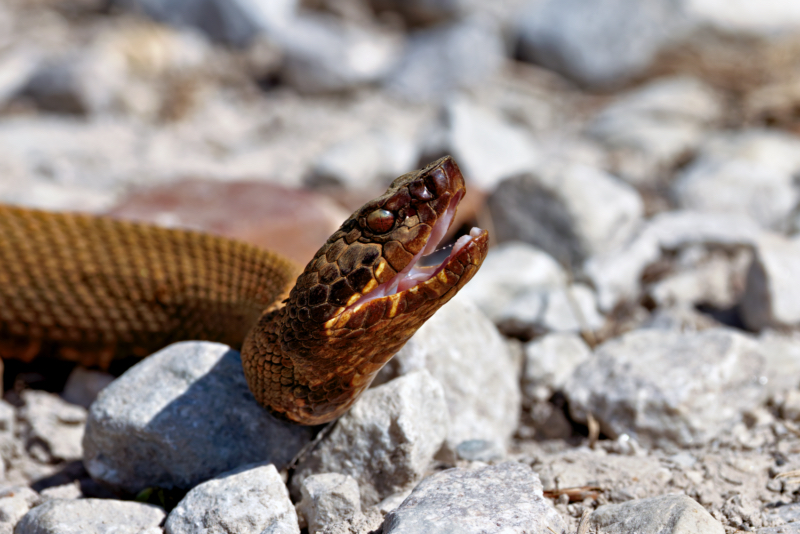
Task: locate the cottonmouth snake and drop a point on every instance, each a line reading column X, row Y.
column 89, row 289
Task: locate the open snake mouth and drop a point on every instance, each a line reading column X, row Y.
column 413, row 274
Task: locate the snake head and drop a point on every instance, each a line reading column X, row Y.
column 363, row 295
column 375, row 254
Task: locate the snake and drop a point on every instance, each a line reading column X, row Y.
column 90, row 289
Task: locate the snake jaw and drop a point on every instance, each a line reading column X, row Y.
column 418, row 275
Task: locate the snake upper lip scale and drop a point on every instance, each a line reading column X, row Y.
column 89, row 289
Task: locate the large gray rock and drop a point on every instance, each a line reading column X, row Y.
column 505, row 498
column 53, row 428
column 749, row 173
column 772, row 295
column 463, row 350
column 650, row 128
column 325, row 54
column 250, row 499
column 182, row 416
column 92, row 516
column 441, row 60
column 667, row 514
column 597, row 42
column 386, row 441
column 666, row 388
column 616, row 274
column 331, row 503
column 571, row 211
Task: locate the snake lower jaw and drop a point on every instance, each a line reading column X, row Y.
column 418, row 275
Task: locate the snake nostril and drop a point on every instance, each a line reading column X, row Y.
column 419, row 191
column 437, row 181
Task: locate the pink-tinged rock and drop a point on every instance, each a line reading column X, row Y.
column 292, row 222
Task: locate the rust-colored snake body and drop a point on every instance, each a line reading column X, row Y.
column 89, row 289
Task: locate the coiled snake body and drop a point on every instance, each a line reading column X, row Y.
column 89, row 289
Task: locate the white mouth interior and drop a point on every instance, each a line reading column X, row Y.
column 414, row 275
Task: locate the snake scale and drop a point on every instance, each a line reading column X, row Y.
column 90, row 289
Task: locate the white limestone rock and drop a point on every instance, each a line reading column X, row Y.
column 249, row 500
column 387, row 441
column 505, row 498
column 664, row 388
column 781, row 352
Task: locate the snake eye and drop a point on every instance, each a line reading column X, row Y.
column 380, row 221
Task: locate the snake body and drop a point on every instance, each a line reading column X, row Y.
column 90, row 289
